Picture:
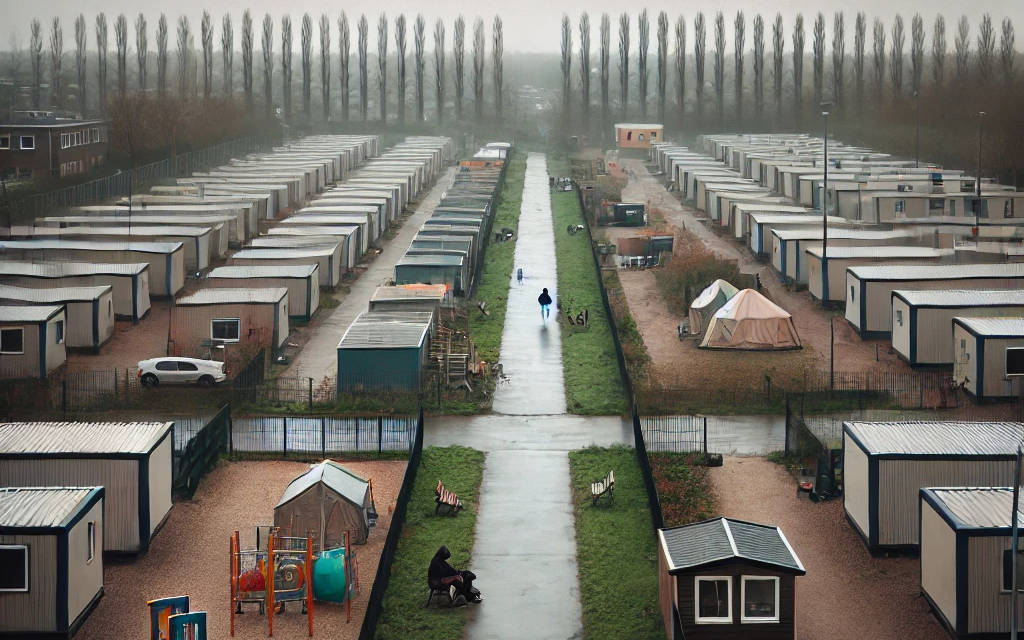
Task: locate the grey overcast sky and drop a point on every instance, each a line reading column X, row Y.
column 530, row 25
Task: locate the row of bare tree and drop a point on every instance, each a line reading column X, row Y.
column 196, row 68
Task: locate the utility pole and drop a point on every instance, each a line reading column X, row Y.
column 977, row 180
column 824, row 193
column 1015, row 544
column 917, row 129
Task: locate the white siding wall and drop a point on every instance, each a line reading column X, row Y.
column 56, row 354
column 85, row 578
column 996, row 382
column 879, row 295
column 936, row 325
column 35, row 610
column 852, row 302
column 25, row 365
column 855, row 483
column 159, row 483
column 282, row 321
column 900, row 323
column 965, row 359
column 988, row 607
column 938, row 561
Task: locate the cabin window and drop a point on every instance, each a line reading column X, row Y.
column 936, row 204
column 65, row 141
column 27, row 143
column 1015, row 361
column 5, row 142
column 12, row 341
column 759, row 599
column 90, row 550
column 899, row 317
column 58, row 332
column 629, row 135
column 853, row 297
column 14, row 568
column 1008, row 570
column 640, row 137
column 95, row 134
column 714, row 599
column 1008, row 208
column 226, row 329
column 900, row 206
column 952, row 207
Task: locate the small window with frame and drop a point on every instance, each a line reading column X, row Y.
column 95, row 134
column 14, row 568
column 91, row 542
column 713, row 599
column 759, row 599
column 1007, row 585
column 58, row 332
column 853, row 294
column 900, row 206
column 12, row 341
column 226, row 329
column 5, row 142
column 1014, row 361
column 27, row 143
column 899, row 317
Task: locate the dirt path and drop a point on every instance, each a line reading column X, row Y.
column 846, row 592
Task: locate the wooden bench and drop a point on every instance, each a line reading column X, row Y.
column 600, row 487
column 446, row 499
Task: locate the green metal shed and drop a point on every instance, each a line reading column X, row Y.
column 384, row 350
column 432, row 269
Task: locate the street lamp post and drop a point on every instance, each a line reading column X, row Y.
column 917, row 129
column 977, row 178
column 824, row 194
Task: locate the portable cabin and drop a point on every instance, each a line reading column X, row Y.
column 760, row 225
column 246, row 224
column 224, row 229
column 790, row 246
column 630, row 135
column 130, row 460
column 338, row 243
column 263, row 199
column 51, row 559
column 385, row 350
column 368, row 231
column 194, row 240
column 988, row 356
column 166, row 259
column 433, row 269
column 388, row 194
column 885, row 464
column 397, row 188
column 466, row 243
column 248, row 210
column 869, row 289
column 301, row 280
column 328, row 258
column 967, row 559
column 727, row 578
column 349, row 235
column 725, row 203
column 411, row 297
column 329, row 501
column 826, row 279
column 922, row 320
column 130, row 281
column 89, row 310
column 741, row 212
column 31, row 340
column 243, row 320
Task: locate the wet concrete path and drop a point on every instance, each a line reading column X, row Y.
column 525, row 548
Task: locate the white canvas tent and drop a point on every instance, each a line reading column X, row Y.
column 327, row 501
column 710, row 300
column 751, row 321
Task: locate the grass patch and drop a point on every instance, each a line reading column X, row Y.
column 684, row 487
column 593, row 385
column 403, row 615
column 638, row 360
column 615, row 548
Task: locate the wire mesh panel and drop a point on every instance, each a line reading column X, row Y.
column 673, row 433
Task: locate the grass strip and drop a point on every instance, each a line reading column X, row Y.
column 593, row 385
column 684, row 487
column 403, row 615
column 615, row 548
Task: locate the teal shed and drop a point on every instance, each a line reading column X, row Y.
column 384, row 350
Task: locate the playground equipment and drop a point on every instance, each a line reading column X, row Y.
column 276, row 574
column 335, row 575
column 170, row 619
column 187, row 626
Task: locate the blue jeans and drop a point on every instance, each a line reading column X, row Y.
column 545, row 310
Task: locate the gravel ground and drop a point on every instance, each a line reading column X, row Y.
column 846, row 593
column 190, row 556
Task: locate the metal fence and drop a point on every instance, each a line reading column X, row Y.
column 79, row 391
column 675, row 433
column 306, row 436
column 200, row 451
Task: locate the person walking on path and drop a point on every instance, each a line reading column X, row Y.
column 519, row 275
column 545, row 305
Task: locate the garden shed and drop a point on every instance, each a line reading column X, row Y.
column 349, row 236
column 51, row 559
column 826, row 279
column 967, row 559
column 433, row 269
column 327, row 257
column 751, row 321
column 885, row 464
column 706, row 305
column 629, row 135
column 31, row 340
column 130, row 281
column 988, row 356
column 922, row 320
column 131, row 460
column 243, row 320
column 327, row 500
column 411, row 297
column 727, row 578
column 302, row 282
column 385, row 350
column 89, row 310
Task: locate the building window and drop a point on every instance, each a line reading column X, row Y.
column 78, row 138
column 226, row 329
column 853, row 297
column 5, row 142
column 629, row 135
column 27, row 143
column 95, row 135
column 759, row 599
column 899, row 317
column 952, row 207
column 91, row 549
column 14, row 568
column 1015, row 361
column 58, row 332
column 65, row 140
column 714, row 599
column 1008, row 570
column 936, row 204
column 901, row 206
column 641, row 137
column 12, row 341
column 1008, row 208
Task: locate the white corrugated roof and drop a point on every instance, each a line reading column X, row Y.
column 978, row 507
column 293, row 241
column 218, row 295
column 80, row 437
column 814, row 233
column 326, row 230
column 133, row 230
column 40, row 506
column 283, row 254
column 883, row 251
column 936, row 271
column 55, row 269
column 430, row 260
column 264, row 271
column 938, row 438
column 387, row 330
column 962, row 297
column 10, row 313
column 426, row 292
column 998, row 326
column 52, row 295
column 93, row 245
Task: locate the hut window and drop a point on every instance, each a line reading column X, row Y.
column 899, row 317
column 759, row 599
column 853, row 296
column 1015, row 361
column 901, row 206
column 91, row 541
column 227, row 329
column 5, row 142
column 12, row 340
column 1008, row 570
column 714, row 599
column 58, row 332
column 27, row 142
column 13, row 567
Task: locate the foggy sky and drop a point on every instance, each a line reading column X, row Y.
column 530, row 25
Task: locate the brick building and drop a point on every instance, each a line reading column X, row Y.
column 36, row 144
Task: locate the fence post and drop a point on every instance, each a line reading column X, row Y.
column 311, row 394
column 323, row 438
column 705, row 435
column 284, row 437
column 357, row 433
column 380, row 434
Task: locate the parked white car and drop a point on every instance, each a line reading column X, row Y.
column 157, row 371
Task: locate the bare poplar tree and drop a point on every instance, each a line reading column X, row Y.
column 267, row 46
column 584, row 27
column 362, row 46
column 878, row 60
column 439, row 55
column 838, row 56
column 986, row 48
column 623, row 63
column 101, row 60
column 916, row 52
column 859, row 39
column 798, row 65
column 643, row 27
column 400, row 43
column 57, row 63
column 778, row 51
column 739, row 42
column 161, row 55
column 121, row 42
column 459, row 56
column 206, row 39
column 818, row 56
column 382, row 65
column 680, row 55
column 286, row 66
column 758, row 65
column 80, row 62
column 227, row 54
column 1006, row 52
column 247, row 66
column 719, row 66
column 35, row 50
column 479, row 58
column 699, row 56
column 566, row 66
column 938, row 50
column 896, row 56
column 184, row 33
column 662, row 46
column 962, row 49
column 498, row 64
column 419, row 40
column 306, row 53
column 141, row 48
column 343, row 60
column 325, row 66
column 604, row 67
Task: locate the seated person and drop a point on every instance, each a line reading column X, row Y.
column 443, row 574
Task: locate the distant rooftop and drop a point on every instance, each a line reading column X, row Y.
column 40, row 118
